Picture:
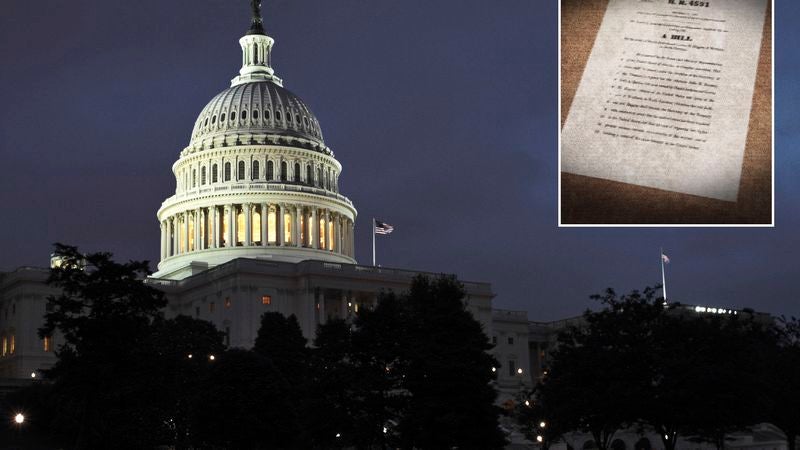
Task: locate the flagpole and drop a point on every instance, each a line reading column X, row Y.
column 663, row 277
column 373, row 242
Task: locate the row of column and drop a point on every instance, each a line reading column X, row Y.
column 261, row 224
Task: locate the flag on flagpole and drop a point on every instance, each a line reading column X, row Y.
column 383, row 227
column 664, row 258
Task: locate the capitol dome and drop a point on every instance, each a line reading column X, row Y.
column 257, row 107
column 256, row 179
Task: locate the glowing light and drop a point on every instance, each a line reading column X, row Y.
column 385, row 430
column 519, row 371
column 494, row 369
column 19, row 418
column 211, row 357
column 527, row 403
column 190, row 356
column 666, row 437
column 338, row 435
column 349, row 304
column 542, row 424
column 33, row 374
column 539, row 439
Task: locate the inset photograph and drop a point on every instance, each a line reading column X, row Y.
column 666, row 113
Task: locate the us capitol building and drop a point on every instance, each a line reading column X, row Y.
column 256, row 224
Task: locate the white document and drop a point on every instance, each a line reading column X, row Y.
column 664, row 100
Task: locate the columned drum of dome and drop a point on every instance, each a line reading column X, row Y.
column 256, row 179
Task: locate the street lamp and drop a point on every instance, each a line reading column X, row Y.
column 539, row 439
column 19, row 418
column 542, row 424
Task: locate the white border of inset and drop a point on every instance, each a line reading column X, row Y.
column 771, row 4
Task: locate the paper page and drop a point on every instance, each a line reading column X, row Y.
column 664, row 100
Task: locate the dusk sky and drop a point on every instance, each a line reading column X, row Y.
column 443, row 115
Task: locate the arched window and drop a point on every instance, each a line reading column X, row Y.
column 278, row 115
column 194, row 177
column 289, row 117
column 266, row 114
column 255, row 114
column 309, row 175
column 233, row 116
column 297, row 119
column 270, row 170
column 244, row 114
column 255, row 53
column 227, row 171
column 222, row 117
column 283, row 171
column 254, row 171
column 214, row 173
column 240, row 172
column 319, row 177
column 327, row 179
column 203, row 175
column 296, row 172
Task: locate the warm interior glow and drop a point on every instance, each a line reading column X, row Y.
column 303, row 230
column 266, row 300
column 224, row 230
column 5, row 345
column 203, row 227
column 271, row 230
column 322, row 233
column 191, row 234
column 47, row 343
column 330, row 236
column 12, row 345
column 240, row 227
column 256, row 225
column 181, row 241
column 287, row 228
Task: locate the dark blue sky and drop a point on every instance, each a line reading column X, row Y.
column 443, row 114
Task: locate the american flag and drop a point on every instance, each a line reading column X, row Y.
column 664, row 258
column 383, row 228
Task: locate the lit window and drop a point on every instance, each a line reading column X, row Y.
column 322, row 233
column 287, row 228
column 271, row 228
column 256, row 225
column 240, row 228
column 512, row 368
column 330, row 235
column 266, row 299
column 5, row 345
column 47, row 343
column 12, row 344
column 227, row 302
column 212, row 306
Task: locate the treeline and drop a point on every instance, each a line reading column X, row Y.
column 413, row 372
column 641, row 364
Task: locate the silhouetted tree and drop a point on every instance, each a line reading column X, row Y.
column 782, row 380
column 446, row 370
column 244, row 403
